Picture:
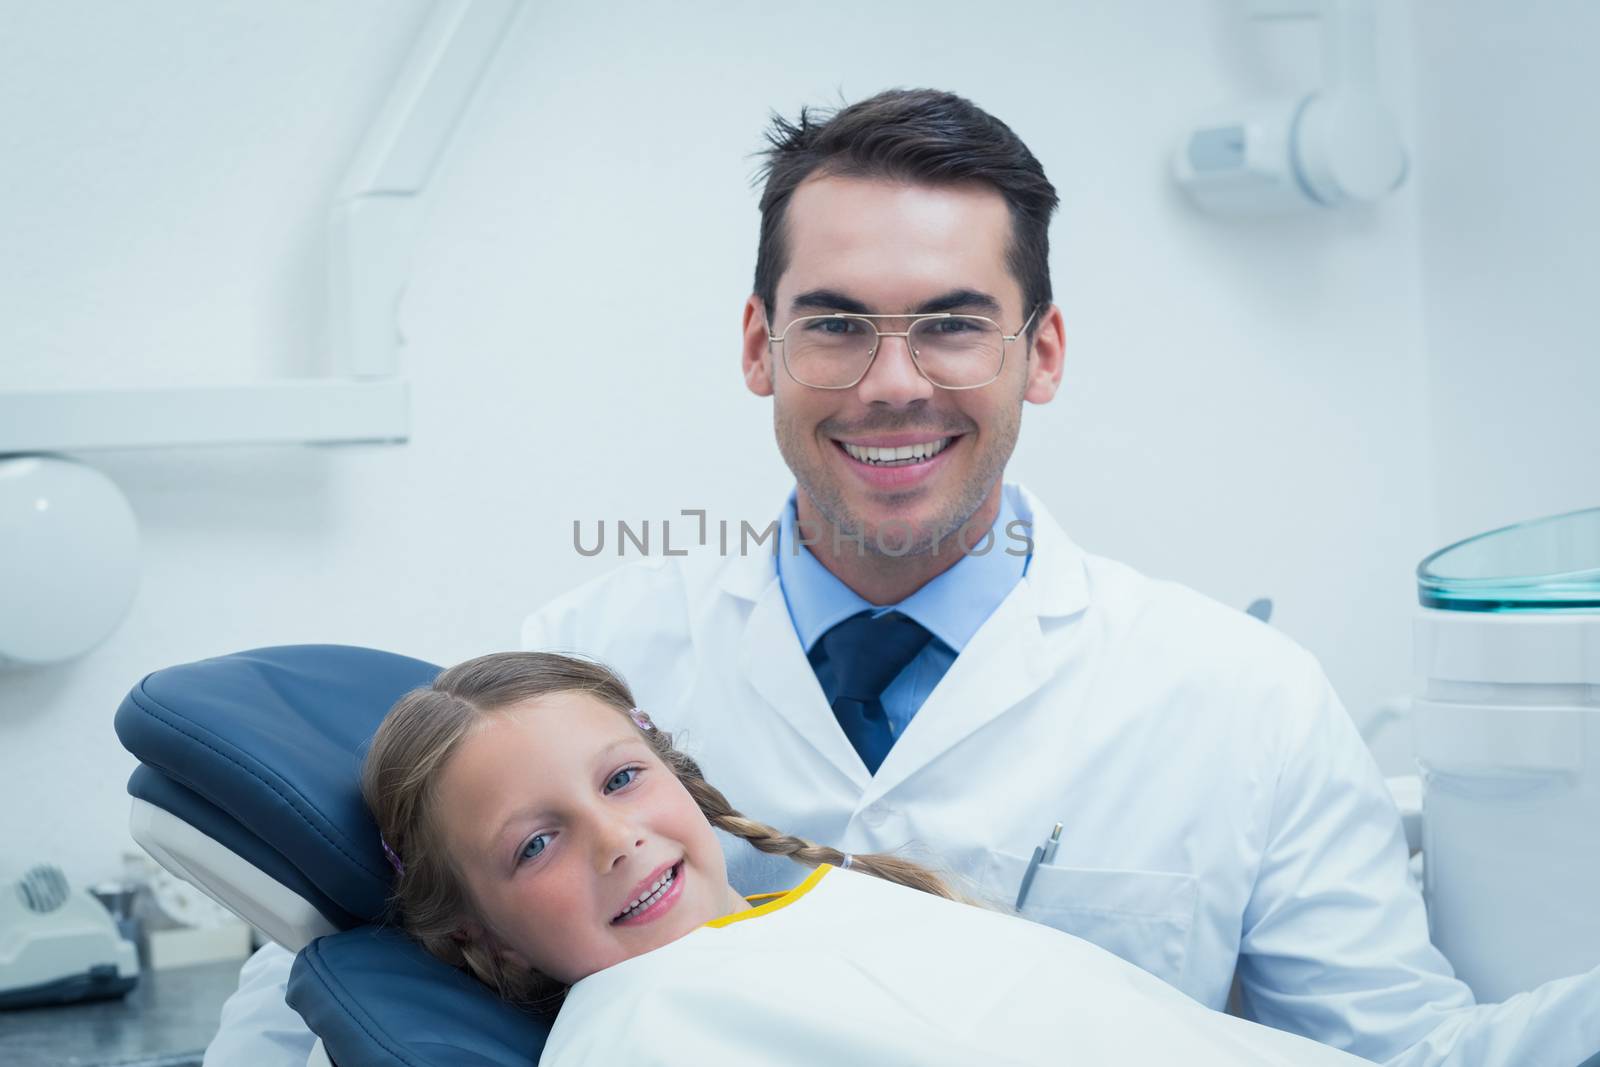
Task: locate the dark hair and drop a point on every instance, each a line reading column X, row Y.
column 918, row 135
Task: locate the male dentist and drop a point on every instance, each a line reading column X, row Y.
column 867, row 682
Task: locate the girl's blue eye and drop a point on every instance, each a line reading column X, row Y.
column 622, row 778
column 534, row 846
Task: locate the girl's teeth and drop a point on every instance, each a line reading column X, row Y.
column 661, row 885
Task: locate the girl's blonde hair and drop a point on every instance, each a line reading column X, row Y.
column 400, row 779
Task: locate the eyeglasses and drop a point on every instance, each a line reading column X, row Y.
column 950, row 351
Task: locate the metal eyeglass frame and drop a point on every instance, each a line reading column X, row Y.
column 872, row 356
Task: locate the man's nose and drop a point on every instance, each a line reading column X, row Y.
column 893, row 378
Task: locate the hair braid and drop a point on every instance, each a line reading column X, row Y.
column 724, row 816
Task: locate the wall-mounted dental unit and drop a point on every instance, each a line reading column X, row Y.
column 1335, row 147
column 68, row 540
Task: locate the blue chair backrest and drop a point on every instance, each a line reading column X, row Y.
column 261, row 751
column 377, row 1000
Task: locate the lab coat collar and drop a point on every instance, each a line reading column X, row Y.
column 1007, row 659
column 952, row 606
column 1056, row 571
column 748, row 575
column 1010, row 658
column 771, row 658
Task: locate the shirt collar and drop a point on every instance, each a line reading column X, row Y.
column 951, row 607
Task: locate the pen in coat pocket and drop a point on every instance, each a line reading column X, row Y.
column 1045, row 853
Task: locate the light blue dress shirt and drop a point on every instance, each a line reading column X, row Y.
column 951, row 607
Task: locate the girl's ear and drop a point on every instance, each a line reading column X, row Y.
column 512, row 958
column 473, row 934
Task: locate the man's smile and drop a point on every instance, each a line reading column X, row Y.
column 897, row 461
column 885, row 450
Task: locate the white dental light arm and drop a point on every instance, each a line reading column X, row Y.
column 1334, row 147
column 1349, row 43
column 376, row 216
column 380, row 204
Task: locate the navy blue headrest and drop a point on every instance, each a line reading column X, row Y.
column 378, row 1000
column 262, row 750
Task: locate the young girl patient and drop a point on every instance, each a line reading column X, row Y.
column 550, row 839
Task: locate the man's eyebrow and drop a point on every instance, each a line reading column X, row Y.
column 824, row 300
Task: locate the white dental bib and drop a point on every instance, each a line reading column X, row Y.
column 846, row 968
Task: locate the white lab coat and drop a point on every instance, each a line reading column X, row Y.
column 1219, row 806
column 851, row 970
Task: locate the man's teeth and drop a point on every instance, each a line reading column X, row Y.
column 913, row 453
column 653, row 894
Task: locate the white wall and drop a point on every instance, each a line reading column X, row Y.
column 1509, row 120
column 1246, row 408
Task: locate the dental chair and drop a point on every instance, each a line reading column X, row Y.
column 248, row 788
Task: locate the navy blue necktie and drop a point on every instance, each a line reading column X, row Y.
column 855, row 662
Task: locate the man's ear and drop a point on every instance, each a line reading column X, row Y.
column 756, row 357
column 1047, row 357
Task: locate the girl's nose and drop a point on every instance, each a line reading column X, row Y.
column 616, row 838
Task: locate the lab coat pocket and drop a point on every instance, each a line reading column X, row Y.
column 1143, row 916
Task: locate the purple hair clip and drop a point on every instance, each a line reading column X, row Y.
column 394, row 860
column 641, row 719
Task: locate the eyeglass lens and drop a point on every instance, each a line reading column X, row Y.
column 832, row 351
